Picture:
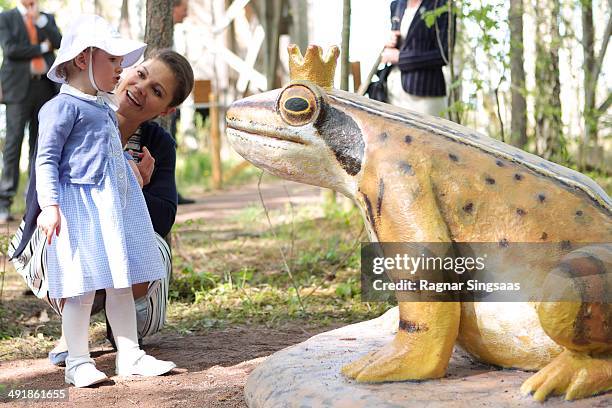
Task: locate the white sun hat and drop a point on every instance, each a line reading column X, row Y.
column 90, row 30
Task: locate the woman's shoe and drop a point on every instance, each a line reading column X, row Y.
column 82, row 372
column 143, row 365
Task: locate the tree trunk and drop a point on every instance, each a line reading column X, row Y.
column 454, row 87
column 272, row 17
column 518, row 125
column 550, row 142
column 159, row 28
column 159, row 31
column 346, row 37
column 588, row 49
column 592, row 68
column 124, row 19
column 299, row 26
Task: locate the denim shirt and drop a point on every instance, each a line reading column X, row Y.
column 72, row 142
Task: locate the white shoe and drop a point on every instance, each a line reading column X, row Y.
column 144, row 365
column 82, row 372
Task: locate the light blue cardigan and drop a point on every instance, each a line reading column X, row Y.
column 72, row 142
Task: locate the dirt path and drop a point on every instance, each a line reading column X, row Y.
column 213, row 364
column 213, row 369
column 217, row 206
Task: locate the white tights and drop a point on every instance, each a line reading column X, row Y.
column 121, row 314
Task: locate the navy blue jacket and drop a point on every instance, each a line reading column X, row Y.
column 160, row 194
column 420, row 58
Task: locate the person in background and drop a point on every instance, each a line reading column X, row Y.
column 28, row 38
column 180, row 9
column 418, row 53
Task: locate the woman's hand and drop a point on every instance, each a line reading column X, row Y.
column 49, row 221
column 390, row 56
column 136, row 172
column 146, row 166
column 393, row 39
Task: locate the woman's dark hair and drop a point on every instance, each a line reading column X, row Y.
column 183, row 73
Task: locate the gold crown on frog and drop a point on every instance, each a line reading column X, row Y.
column 313, row 66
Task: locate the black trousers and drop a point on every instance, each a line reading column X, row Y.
column 17, row 116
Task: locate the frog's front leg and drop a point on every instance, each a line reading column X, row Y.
column 584, row 328
column 402, row 208
column 420, row 350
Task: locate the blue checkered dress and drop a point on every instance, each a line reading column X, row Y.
column 106, row 238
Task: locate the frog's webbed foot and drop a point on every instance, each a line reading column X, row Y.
column 577, row 375
column 397, row 361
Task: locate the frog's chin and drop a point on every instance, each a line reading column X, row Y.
column 289, row 160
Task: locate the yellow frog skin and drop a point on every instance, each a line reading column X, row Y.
column 417, row 178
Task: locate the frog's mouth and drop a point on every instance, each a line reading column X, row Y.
column 258, row 133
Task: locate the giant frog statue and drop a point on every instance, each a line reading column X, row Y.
column 418, row 178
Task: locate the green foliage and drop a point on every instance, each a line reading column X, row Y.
column 7, row 328
column 245, row 281
column 348, row 289
column 191, row 283
column 193, row 168
column 431, row 16
column 6, row 4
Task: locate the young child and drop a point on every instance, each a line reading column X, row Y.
column 92, row 201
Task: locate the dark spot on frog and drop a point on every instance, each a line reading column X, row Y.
column 518, row 176
column 453, row 157
column 408, row 139
column 412, row 327
column 468, row 208
column 579, row 213
column 383, row 136
column 499, row 163
column 544, row 236
column 381, row 193
column 565, row 245
column 343, row 136
column 504, row 243
column 370, row 214
column 406, row 168
column 520, row 211
column 490, row 180
column 541, row 197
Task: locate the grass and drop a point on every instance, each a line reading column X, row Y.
column 243, row 279
column 231, row 273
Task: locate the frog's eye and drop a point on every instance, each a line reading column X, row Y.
column 298, row 105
